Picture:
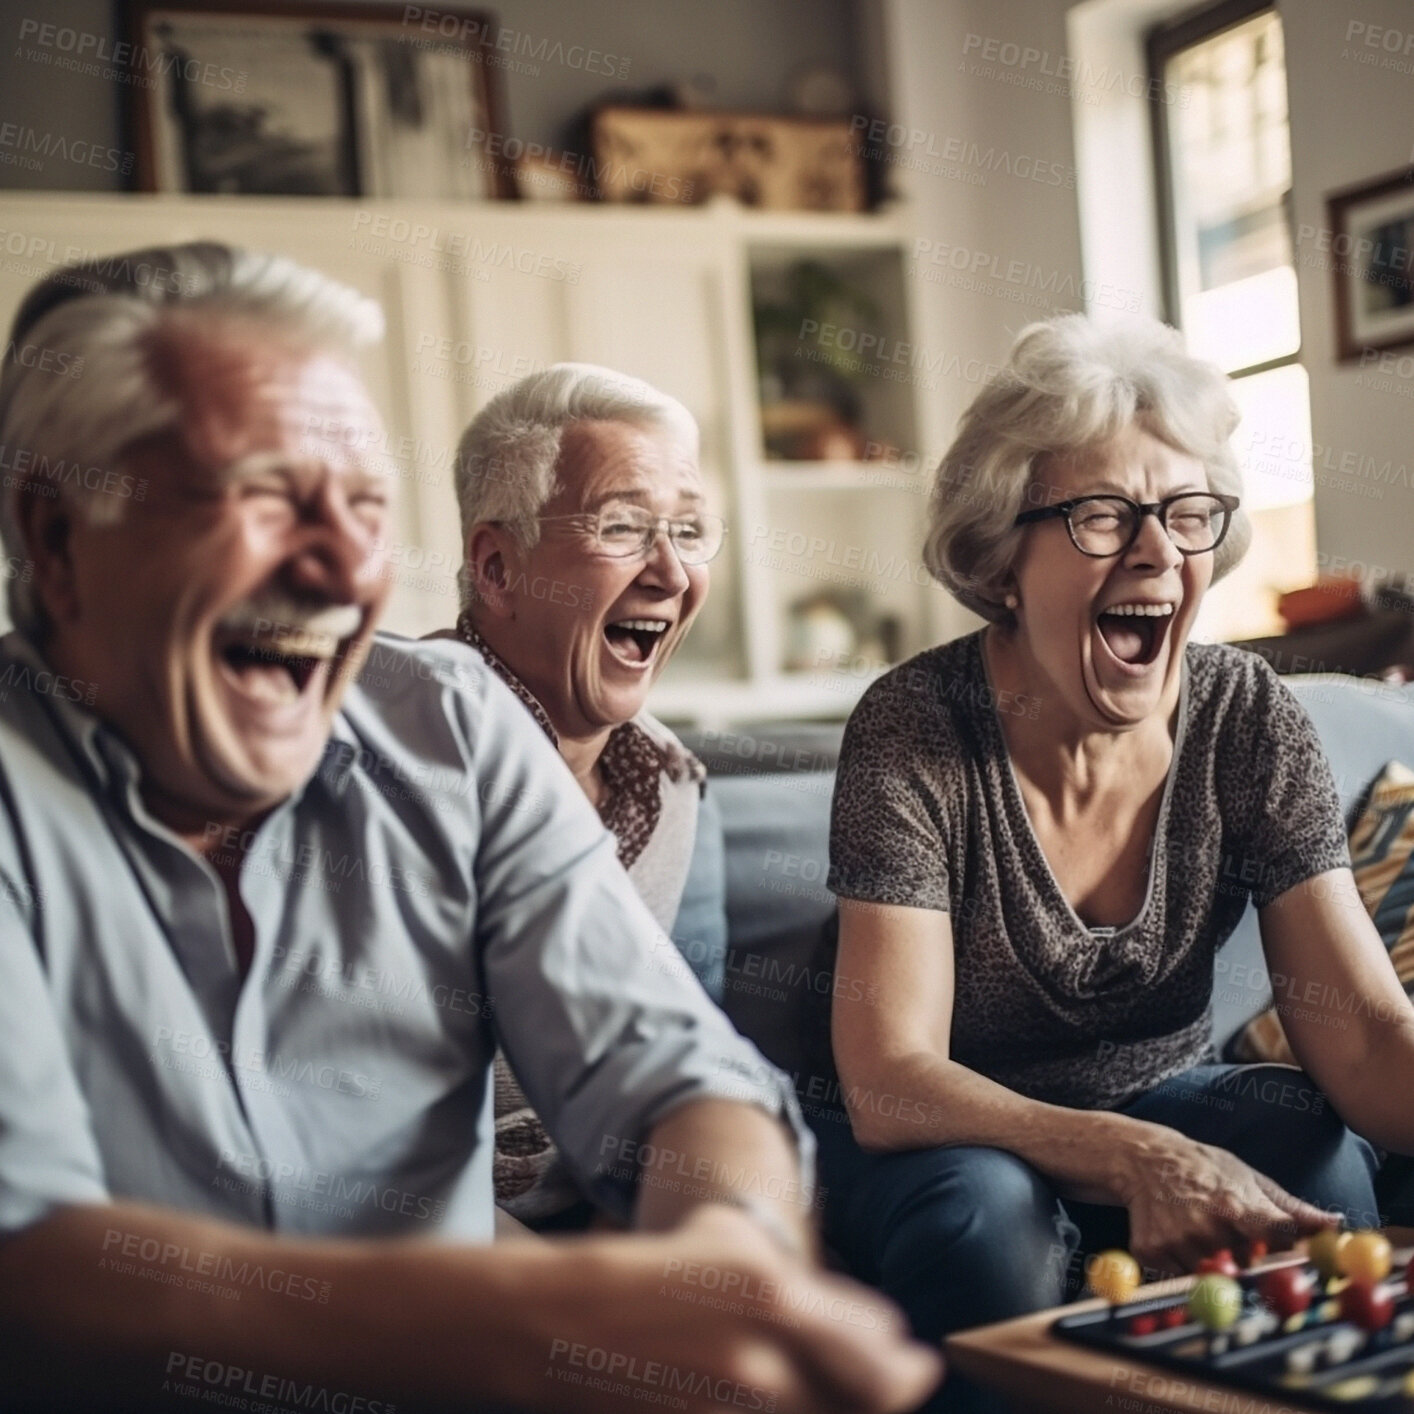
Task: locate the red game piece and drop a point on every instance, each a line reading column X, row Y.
column 1286, row 1290
column 1256, row 1250
column 1222, row 1262
column 1146, row 1323
column 1369, row 1307
column 1171, row 1317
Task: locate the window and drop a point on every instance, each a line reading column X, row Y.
column 1224, row 163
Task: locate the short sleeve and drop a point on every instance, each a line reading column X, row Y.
column 887, row 822
column 1288, row 812
column 48, row 1154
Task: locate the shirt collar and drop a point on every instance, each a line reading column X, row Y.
column 115, row 764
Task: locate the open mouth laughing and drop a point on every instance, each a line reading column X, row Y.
column 1135, row 632
column 636, row 642
column 272, row 661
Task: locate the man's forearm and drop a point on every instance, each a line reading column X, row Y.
column 710, row 1150
column 116, row 1304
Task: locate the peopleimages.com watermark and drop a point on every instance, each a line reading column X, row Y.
column 227, row 1386
column 516, row 50
column 119, row 61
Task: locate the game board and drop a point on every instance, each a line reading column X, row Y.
column 1334, row 1330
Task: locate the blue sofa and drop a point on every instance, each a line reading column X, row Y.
column 772, row 785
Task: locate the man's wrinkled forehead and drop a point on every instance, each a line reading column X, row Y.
column 242, row 387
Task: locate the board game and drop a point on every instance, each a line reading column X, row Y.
column 1334, row 1329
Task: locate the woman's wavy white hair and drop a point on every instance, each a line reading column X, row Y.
column 1069, row 384
column 99, row 389
column 508, row 460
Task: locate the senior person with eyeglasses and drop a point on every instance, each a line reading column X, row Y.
column 587, row 540
column 1043, row 831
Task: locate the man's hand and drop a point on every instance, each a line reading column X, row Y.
column 714, row 1316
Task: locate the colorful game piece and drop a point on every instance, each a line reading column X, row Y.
column 1367, row 1305
column 1256, row 1250
column 1222, row 1262
column 1171, row 1317
column 1215, row 1301
column 1113, row 1275
column 1366, row 1257
column 1146, row 1323
column 1286, row 1290
column 1324, row 1251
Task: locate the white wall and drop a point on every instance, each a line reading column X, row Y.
column 1351, row 121
column 992, row 178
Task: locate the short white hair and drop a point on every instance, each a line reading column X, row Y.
column 1070, row 384
column 509, row 458
column 99, row 389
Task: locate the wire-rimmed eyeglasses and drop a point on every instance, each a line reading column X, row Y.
column 623, row 531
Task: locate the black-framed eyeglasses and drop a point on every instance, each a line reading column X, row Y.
column 1102, row 526
column 622, row 531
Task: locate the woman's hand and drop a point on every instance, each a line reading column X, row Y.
column 1186, row 1200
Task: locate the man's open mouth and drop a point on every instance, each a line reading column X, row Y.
column 276, row 662
column 1135, row 633
column 636, row 641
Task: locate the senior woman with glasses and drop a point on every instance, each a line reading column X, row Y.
column 587, row 539
column 1041, row 835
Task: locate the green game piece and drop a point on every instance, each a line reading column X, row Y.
column 1215, row 1301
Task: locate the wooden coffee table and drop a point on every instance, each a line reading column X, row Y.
column 1039, row 1371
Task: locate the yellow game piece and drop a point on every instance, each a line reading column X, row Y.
column 1366, row 1257
column 1408, row 1389
column 1324, row 1250
column 1113, row 1275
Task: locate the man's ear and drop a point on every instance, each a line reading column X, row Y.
column 46, row 527
column 488, row 562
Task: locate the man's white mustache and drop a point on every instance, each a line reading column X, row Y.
column 283, row 615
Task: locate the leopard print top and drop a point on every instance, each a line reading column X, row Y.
column 927, row 813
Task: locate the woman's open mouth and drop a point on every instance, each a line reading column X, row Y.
column 635, row 642
column 1135, row 633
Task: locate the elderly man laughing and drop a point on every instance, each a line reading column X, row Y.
column 261, row 927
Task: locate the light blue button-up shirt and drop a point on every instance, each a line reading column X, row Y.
column 440, row 880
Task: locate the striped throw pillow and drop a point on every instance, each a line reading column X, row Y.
column 1382, row 856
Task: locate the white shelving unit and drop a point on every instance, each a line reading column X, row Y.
column 478, row 295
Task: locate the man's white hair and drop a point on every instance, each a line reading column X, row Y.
column 81, row 385
column 1070, row 384
column 508, row 460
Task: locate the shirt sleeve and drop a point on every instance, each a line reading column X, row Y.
column 599, row 1015
column 48, row 1154
column 887, row 837
column 1292, row 827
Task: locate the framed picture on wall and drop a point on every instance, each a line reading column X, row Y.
column 1372, row 254
column 240, row 97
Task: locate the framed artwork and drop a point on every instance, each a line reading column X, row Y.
column 1372, row 249
column 271, row 99
column 657, row 155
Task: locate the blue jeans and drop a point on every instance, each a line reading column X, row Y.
column 963, row 1236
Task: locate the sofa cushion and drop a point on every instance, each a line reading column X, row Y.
column 780, row 961
column 1382, row 856
column 700, row 929
column 1362, row 724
